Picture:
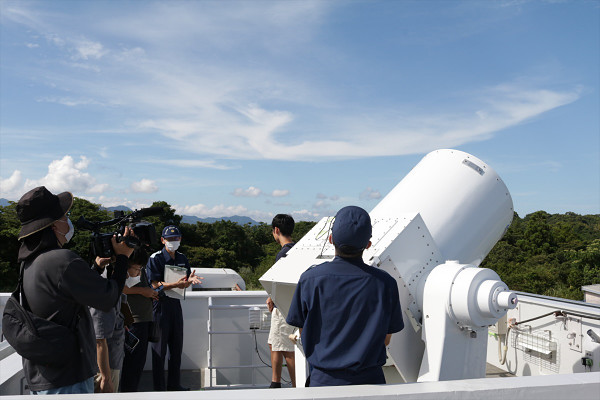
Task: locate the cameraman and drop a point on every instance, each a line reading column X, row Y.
column 59, row 285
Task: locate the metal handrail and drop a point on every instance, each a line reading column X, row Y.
column 5, row 350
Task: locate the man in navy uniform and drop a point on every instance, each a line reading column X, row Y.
column 346, row 310
column 167, row 310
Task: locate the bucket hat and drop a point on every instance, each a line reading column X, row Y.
column 38, row 209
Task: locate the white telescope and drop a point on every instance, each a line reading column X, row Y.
column 430, row 233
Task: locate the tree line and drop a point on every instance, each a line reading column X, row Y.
column 548, row 254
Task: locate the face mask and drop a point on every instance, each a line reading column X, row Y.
column 172, row 246
column 69, row 235
column 132, row 281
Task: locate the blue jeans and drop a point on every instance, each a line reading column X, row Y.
column 86, row 386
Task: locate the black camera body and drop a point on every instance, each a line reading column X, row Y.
column 144, row 232
column 101, row 244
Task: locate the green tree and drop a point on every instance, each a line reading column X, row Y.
column 82, row 239
column 9, row 232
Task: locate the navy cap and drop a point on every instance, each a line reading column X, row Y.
column 170, row 231
column 352, row 228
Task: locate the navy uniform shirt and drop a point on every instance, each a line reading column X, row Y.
column 346, row 308
column 284, row 249
column 155, row 269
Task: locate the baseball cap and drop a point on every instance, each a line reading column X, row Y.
column 351, row 228
column 170, row 231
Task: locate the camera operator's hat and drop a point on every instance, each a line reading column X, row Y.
column 351, row 229
column 170, row 231
column 38, row 209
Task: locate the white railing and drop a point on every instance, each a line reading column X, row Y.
column 219, row 324
column 218, row 340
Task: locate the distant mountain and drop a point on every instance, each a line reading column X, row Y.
column 187, row 219
column 190, row 219
column 119, row 208
column 240, row 220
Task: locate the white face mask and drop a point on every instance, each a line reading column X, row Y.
column 172, row 246
column 69, row 235
column 132, row 281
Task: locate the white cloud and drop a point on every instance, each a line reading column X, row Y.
column 110, row 201
column 193, row 164
column 87, row 49
column 253, row 131
column 67, row 175
column 280, row 193
column 322, row 196
column 203, row 211
column 321, row 204
column 370, row 194
column 99, row 188
column 144, row 186
column 67, row 101
column 227, row 110
column 305, row 215
column 222, row 210
column 9, row 185
column 250, row 192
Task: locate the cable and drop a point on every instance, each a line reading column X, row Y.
column 320, row 234
column 556, row 313
column 256, row 349
column 260, row 358
column 505, row 348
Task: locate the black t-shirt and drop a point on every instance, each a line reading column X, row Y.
column 140, row 306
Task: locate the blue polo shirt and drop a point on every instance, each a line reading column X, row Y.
column 345, row 309
column 155, row 269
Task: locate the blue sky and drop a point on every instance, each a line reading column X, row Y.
column 260, row 107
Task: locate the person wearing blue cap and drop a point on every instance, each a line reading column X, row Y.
column 167, row 310
column 346, row 310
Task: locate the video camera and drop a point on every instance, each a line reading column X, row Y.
column 145, row 233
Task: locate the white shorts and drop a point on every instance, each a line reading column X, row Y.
column 280, row 332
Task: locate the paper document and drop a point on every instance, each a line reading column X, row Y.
column 173, row 273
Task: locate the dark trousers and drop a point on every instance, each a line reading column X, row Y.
column 133, row 364
column 168, row 312
column 369, row 376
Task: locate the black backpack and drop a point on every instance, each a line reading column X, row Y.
column 34, row 338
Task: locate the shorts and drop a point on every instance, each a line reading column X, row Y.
column 280, row 332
